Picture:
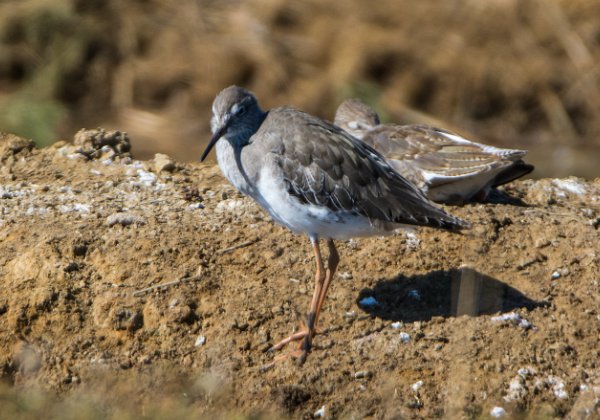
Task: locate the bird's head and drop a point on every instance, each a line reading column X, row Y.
column 235, row 116
column 356, row 117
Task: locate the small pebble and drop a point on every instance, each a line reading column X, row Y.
column 561, row 394
column 498, row 412
column 397, row 324
column 404, row 337
column 200, row 341
column 512, row 318
column 558, row 387
column 412, row 241
column 368, row 301
column 524, row 372
column 345, row 275
column 363, row 374
column 542, row 243
column 516, row 390
column 417, row 385
column 146, row 178
column 163, row 162
column 320, row 412
column 124, row 219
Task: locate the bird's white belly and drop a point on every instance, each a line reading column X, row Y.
column 316, row 221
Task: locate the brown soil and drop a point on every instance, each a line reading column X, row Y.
column 88, row 235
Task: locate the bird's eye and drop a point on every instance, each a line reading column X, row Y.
column 240, row 110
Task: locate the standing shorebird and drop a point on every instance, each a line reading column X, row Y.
column 313, row 178
column 446, row 167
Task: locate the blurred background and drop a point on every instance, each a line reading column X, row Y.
column 512, row 73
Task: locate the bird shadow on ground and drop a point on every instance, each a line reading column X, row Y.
column 502, row 197
column 445, row 293
column 497, row 196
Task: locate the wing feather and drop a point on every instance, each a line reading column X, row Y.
column 438, row 151
column 323, row 165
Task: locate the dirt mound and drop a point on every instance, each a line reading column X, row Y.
column 152, row 287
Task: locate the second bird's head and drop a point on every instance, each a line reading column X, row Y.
column 356, row 117
column 235, row 116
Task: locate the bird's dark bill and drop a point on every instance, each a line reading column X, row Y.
column 215, row 138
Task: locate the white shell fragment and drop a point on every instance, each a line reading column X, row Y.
column 512, row 318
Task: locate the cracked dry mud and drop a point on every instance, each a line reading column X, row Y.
column 423, row 324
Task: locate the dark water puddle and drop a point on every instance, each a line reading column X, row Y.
column 445, row 293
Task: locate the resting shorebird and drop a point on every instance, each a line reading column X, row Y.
column 445, row 166
column 313, row 178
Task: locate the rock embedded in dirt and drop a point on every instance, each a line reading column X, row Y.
column 164, row 163
column 181, row 314
column 124, row 219
column 101, row 144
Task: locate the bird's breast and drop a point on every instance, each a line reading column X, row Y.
column 230, row 167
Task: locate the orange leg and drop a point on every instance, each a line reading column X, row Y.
column 322, row 282
column 332, row 264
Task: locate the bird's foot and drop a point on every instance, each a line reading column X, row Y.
column 300, row 335
column 302, row 351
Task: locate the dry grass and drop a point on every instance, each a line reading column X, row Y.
column 513, row 73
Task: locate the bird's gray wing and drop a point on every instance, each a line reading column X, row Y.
column 325, row 166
